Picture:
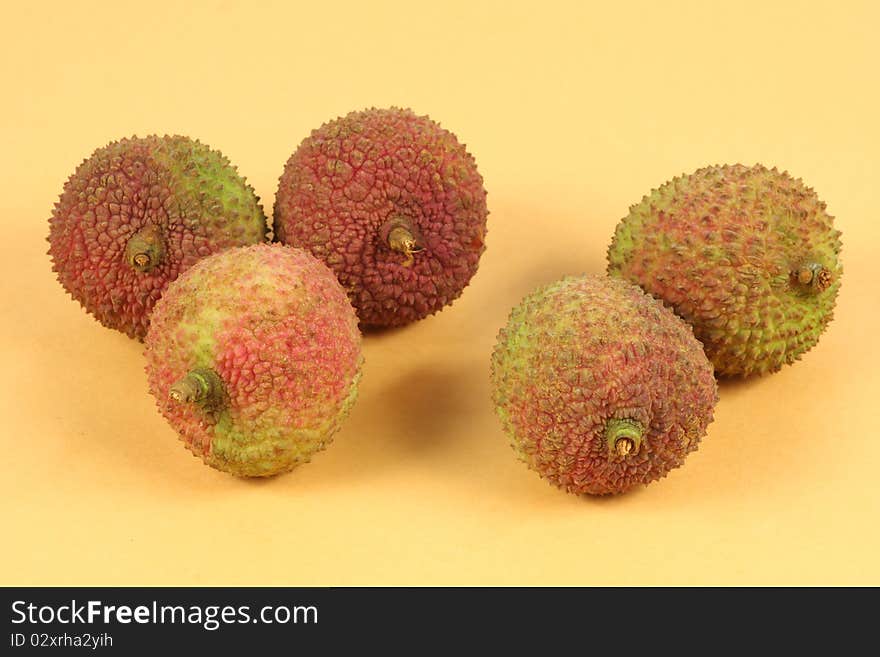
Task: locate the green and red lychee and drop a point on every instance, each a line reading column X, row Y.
column 254, row 357
column 394, row 204
column 599, row 386
column 748, row 256
column 136, row 214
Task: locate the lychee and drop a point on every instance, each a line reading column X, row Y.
column 599, row 386
column 136, row 214
column 253, row 355
column 394, row 204
column 748, row 256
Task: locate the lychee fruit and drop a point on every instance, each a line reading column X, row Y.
column 599, row 386
column 394, row 204
column 254, row 358
column 747, row 255
column 136, row 214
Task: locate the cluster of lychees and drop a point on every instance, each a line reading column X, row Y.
column 254, row 348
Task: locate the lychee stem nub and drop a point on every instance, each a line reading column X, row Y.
column 624, row 437
column 145, row 249
column 201, row 385
column 403, row 239
column 815, row 276
column 624, row 446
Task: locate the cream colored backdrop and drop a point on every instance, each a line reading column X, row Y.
column 573, row 111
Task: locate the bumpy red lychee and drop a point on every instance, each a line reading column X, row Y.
column 136, row 214
column 394, row 204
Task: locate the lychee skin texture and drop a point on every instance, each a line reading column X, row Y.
column 747, row 255
column 354, row 179
column 600, row 387
column 275, row 327
column 174, row 197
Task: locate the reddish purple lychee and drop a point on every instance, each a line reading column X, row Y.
column 394, row 204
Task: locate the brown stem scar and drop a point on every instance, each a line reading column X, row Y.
column 145, row 249
column 814, row 276
column 624, row 436
column 624, row 446
column 400, row 236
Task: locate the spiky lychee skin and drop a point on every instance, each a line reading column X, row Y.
column 355, row 180
column 747, row 255
column 272, row 338
column 599, row 386
column 136, row 214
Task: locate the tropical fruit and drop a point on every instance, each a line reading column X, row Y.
column 747, row 255
column 254, row 358
column 599, row 386
column 394, row 204
column 136, row 214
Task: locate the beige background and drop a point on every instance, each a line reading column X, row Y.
column 573, row 113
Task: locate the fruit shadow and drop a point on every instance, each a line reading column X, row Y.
column 417, row 417
column 735, row 386
column 441, row 420
column 426, row 407
column 372, row 332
